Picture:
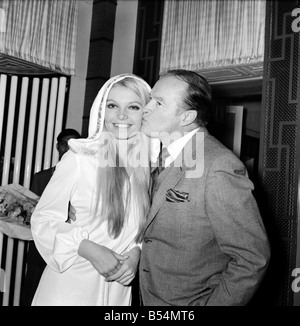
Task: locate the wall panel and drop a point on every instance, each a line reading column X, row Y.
column 148, row 38
column 279, row 146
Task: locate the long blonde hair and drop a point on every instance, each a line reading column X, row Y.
column 115, row 191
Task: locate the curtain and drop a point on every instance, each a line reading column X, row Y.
column 42, row 32
column 211, row 33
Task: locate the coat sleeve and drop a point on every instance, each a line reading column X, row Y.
column 56, row 240
column 239, row 231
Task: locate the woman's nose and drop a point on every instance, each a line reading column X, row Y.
column 122, row 115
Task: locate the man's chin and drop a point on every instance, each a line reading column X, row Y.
column 150, row 133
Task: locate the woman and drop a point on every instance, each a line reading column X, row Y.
column 107, row 183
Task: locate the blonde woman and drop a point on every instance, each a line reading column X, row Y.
column 105, row 177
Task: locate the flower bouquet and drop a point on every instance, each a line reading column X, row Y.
column 17, row 202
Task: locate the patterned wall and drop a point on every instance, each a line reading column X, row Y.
column 147, row 48
column 100, row 53
column 279, row 147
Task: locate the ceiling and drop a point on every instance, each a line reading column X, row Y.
column 235, row 80
column 238, row 88
column 15, row 66
column 231, row 81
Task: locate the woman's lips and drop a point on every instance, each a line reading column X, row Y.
column 122, row 125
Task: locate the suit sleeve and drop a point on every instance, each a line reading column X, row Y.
column 238, row 229
column 35, row 185
column 56, row 240
column 40, row 181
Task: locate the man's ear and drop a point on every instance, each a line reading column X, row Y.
column 188, row 117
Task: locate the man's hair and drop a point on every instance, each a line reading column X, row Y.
column 198, row 94
column 67, row 132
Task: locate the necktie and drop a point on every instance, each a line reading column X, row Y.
column 164, row 154
column 160, row 166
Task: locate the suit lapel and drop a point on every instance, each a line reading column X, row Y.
column 170, row 176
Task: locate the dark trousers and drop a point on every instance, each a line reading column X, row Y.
column 35, row 268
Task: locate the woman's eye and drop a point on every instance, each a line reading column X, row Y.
column 111, row 106
column 134, row 107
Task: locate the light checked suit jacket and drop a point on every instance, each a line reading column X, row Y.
column 211, row 249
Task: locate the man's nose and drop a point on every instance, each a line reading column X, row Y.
column 147, row 110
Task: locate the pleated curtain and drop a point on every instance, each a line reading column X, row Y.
column 40, row 31
column 201, row 34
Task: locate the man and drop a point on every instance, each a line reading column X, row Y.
column 35, row 263
column 204, row 241
column 41, row 179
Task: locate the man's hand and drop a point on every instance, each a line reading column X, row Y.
column 127, row 271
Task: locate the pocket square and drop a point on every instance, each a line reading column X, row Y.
column 176, row 196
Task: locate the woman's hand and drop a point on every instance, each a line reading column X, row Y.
column 105, row 261
column 127, row 271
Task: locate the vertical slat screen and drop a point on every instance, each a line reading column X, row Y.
column 19, row 270
column 21, row 122
column 42, row 123
column 3, row 79
column 8, row 255
column 59, row 115
column 8, row 269
column 50, row 124
column 9, row 131
column 31, row 128
column 32, row 111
